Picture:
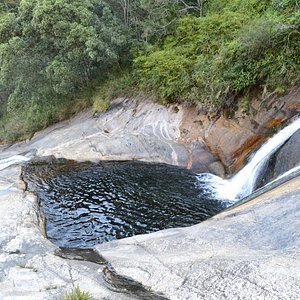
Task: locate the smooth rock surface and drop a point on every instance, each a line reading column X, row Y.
column 283, row 160
column 129, row 130
column 29, row 270
column 288, row 156
column 177, row 135
column 250, row 252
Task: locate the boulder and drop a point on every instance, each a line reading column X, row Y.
column 288, row 156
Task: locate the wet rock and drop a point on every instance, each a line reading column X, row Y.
column 202, row 161
column 288, row 156
column 129, row 130
column 217, row 168
column 178, row 135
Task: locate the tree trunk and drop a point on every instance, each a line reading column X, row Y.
column 126, row 12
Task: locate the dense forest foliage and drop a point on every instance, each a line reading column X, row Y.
column 59, row 56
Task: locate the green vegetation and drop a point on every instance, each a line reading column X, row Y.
column 77, row 294
column 23, row 266
column 59, row 56
column 51, row 51
column 238, row 45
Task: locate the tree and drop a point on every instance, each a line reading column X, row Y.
column 193, row 6
column 66, row 44
column 151, row 20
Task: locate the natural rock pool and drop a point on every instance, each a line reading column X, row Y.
column 86, row 204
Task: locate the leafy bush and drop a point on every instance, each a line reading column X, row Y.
column 100, row 104
column 165, row 73
column 182, row 70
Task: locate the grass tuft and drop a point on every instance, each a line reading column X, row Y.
column 77, row 294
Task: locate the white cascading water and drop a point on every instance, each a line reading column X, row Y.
column 243, row 183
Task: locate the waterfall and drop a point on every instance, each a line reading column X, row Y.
column 242, row 184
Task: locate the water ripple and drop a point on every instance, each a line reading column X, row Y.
column 86, row 204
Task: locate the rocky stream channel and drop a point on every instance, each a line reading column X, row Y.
column 249, row 251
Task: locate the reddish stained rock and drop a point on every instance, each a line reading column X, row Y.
column 239, row 157
column 232, row 139
column 273, row 122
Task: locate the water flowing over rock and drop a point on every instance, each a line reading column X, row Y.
column 177, row 135
column 15, row 159
column 243, row 183
column 248, row 252
column 232, row 139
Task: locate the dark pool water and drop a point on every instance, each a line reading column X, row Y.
column 86, row 204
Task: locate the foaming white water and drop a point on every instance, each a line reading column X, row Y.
column 16, row 159
column 242, row 184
